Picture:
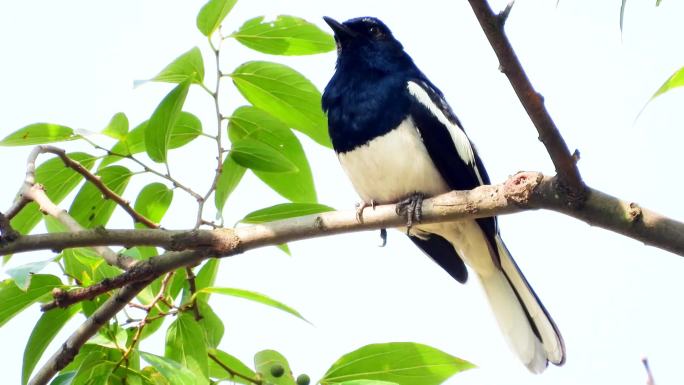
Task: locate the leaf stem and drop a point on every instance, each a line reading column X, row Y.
column 218, row 138
column 232, row 372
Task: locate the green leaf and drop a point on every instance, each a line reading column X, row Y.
column 111, row 336
column 174, row 372
column 257, row 155
column 89, row 207
column 38, row 133
column 284, row 248
column 87, row 266
column 217, row 371
column 658, row 3
column 212, row 14
column 186, row 344
column 366, row 382
column 22, row 274
column 95, row 370
column 211, row 324
column 188, row 66
column 284, row 211
column 248, row 121
column 674, row 81
column 265, row 359
column 14, row 300
column 86, row 351
column 47, row 327
column 187, row 128
column 286, row 94
column 252, row 296
column 286, row 35
column 231, row 175
column 117, row 127
column 162, row 121
column 404, row 363
column 58, row 181
column 53, row 225
column 153, row 201
column 207, row 275
column 64, row 378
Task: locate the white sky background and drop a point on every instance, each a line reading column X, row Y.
column 614, row 299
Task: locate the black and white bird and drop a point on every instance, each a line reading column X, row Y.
column 398, row 140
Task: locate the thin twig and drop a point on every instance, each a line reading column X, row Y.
column 63, row 298
column 145, row 321
column 647, row 367
column 532, row 101
column 18, row 204
column 219, row 134
column 193, row 290
column 232, row 372
column 146, row 168
column 7, row 233
column 97, row 182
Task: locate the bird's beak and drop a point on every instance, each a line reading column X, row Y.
column 341, row 31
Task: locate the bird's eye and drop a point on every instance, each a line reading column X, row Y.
column 375, row 31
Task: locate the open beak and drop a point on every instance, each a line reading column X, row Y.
column 341, row 31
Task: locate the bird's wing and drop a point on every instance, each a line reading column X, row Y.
column 447, row 144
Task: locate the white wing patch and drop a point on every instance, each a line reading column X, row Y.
column 461, row 141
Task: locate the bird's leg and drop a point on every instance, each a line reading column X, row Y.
column 412, row 207
column 359, row 209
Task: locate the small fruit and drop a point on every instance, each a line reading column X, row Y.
column 277, row 370
column 303, row 379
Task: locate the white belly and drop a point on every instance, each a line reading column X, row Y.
column 393, row 166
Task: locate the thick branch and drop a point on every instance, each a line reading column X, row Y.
column 523, row 191
column 563, row 160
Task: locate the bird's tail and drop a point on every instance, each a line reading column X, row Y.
column 527, row 326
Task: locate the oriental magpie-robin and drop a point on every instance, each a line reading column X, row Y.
column 398, row 139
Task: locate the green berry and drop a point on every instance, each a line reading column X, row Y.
column 277, row 370
column 303, row 379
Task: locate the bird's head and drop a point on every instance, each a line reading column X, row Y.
column 367, row 42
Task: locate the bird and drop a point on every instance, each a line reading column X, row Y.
column 399, row 141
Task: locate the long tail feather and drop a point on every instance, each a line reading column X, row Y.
column 525, row 323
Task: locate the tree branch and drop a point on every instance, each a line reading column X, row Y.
column 219, row 132
column 36, row 193
column 73, row 344
column 92, row 178
column 533, row 102
column 523, row 191
column 146, row 168
column 7, row 233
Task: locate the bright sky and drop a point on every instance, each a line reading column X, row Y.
column 614, row 299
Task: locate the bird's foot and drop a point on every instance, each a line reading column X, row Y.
column 359, row 209
column 412, row 207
